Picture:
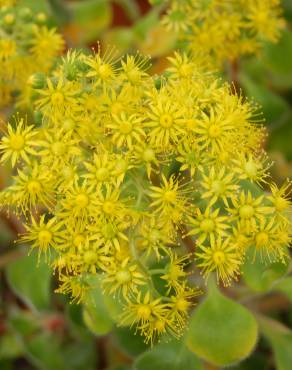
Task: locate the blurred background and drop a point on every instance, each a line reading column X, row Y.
column 40, row 329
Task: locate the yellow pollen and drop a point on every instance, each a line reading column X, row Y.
column 108, row 206
column 148, row 155
column 182, row 305
column 126, row 127
column 281, row 204
column 45, row 236
column 191, row 124
column 102, row 174
column 57, row 98
column 159, row 325
column 154, row 236
column 105, row 71
column 78, row 239
column 116, row 107
column 34, row 186
column 17, row 142
column 69, row 124
column 261, row 239
column 170, row 196
column 214, row 131
column 251, row 169
column 246, row 211
column 218, row 187
column 68, row 172
column 58, row 148
column 134, row 75
column 207, row 225
column 144, row 311
column 166, row 121
column 9, row 18
column 108, row 232
column 121, row 166
column 123, row 276
column 90, row 257
column 218, row 257
column 186, row 70
column 174, row 272
column 82, row 200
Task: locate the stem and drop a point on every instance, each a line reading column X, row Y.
column 234, row 71
column 130, row 7
column 13, row 223
column 156, row 271
column 9, row 257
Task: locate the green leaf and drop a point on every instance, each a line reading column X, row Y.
column 168, row 356
column 273, row 105
column 89, row 19
column 285, row 286
column 280, row 140
column 35, row 6
column 280, row 339
column 260, row 276
column 30, row 279
column 277, row 58
column 129, row 342
column 95, row 313
column 121, row 36
column 143, row 26
column 45, row 352
column 10, row 346
column 221, row 331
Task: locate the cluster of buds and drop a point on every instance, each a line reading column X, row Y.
column 27, row 46
column 224, row 29
column 143, row 181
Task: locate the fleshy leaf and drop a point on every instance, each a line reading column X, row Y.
column 221, row 331
column 168, row 356
column 95, row 312
column 30, row 278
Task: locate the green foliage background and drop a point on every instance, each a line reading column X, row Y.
column 40, row 329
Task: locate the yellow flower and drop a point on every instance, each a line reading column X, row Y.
column 19, row 143
column 100, row 170
column 43, row 234
column 110, row 233
column 208, row 225
column 279, row 198
column 126, row 130
column 219, row 184
column 58, row 148
column 190, row 156
column 101, row 68
column 123, row 278
column 143, row 310
column 170, row 196
column 56, row 98
column 78, row 203
column 165, row 121
column 124, row 165
column 271, row 240
column 249, row 167
column 133, row 69
column 181, row 302
column 7, row 48
column 249, row 210
column 222, row 257
column 175, row 271
column 45, row 44
column 33, row 188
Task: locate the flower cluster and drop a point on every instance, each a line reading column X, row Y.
column 27, row 45
column 224, row 29
column 143, row 181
